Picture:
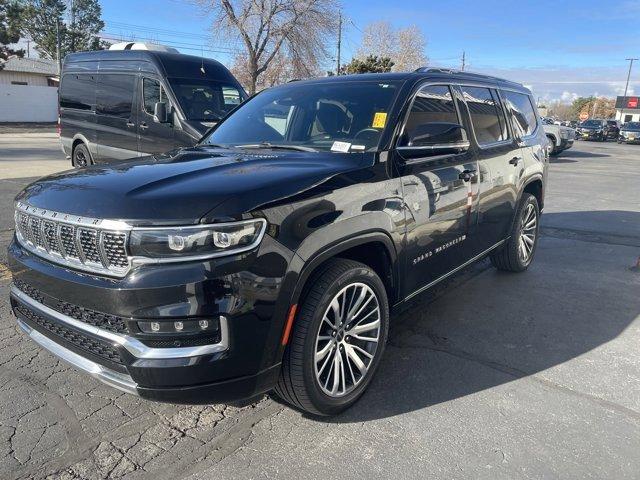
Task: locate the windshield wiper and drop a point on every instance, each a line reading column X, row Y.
column 271, row 146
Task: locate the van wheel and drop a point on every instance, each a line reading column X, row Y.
column 81, row 157
column 517, row 254
column 337, row 340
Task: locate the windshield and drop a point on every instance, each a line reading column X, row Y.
column 592, row 123
column 345, row 117
column 205, row 100
column 632, row 126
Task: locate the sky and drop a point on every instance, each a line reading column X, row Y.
column 559, row 49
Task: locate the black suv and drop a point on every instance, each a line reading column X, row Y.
column 593, row 130
column 270, row 255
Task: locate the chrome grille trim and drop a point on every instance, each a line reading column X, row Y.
column 77, row 242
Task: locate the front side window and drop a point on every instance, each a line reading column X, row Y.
column 152, row 93
column 115, row 95
column 78, row 91
column 433, row 119
column 339, row 116
column 205, row 100
column 487, row 116
column 521, row 109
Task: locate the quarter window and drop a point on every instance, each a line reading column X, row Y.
column 433, row 118
column 152, row 92
column 521, row 109
column 486, row 114
column 78, row 91
column 115, row 95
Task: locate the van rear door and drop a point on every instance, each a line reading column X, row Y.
column 116, row 117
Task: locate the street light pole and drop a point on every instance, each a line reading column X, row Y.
column 626, row 87
column 339, row 42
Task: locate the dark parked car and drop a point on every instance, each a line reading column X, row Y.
column 118, row 104
column 630, row 133
column 612, row 129
column 592, row 130
column 272, row 254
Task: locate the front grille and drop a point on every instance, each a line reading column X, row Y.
column 105, row 321
column 82, row 243
column 78, row 339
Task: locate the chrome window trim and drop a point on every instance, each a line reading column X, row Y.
column 132, row 345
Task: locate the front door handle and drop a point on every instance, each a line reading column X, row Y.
column 515, row 160
column 144, row 125
column 130, row 124
column 466, row 175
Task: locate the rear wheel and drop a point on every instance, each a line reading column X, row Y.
column 552, row 146
column 81, row 157
column 337, row 340
column 517, row 254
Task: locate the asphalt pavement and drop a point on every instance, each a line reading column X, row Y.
column 493, row 375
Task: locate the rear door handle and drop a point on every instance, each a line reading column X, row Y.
column 466, row 175
column 130, row 124
column 515, row 160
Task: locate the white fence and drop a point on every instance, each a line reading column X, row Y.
column 26, row 103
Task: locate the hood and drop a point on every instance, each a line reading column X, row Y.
column 183, row 186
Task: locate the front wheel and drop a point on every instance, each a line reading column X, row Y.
column 337, row 341
column 81, row 157
column 517, row 254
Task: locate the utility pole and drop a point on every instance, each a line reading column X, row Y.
column 339, row 42
column 28, row 48
column 626, row 87
column 73, row 27
column 464, row 60
column 58, row 46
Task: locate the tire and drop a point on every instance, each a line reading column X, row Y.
column 80, row 156
column 510, row 258
column 553, row 146
column 309, row 385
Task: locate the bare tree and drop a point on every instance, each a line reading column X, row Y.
column 405, row 47
column 295, row 30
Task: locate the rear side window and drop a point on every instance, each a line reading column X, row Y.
column 115, row 95
column 521, row 109
column 152, row 92
column 433, row 108
column 78, row 91
column 486, row 113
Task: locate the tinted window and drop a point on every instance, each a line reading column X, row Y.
column 115, row 95
column 432, row 119
column 78, row 91
column 205, row 100
column 521, row 109
column 486, row 113
column 152, row 93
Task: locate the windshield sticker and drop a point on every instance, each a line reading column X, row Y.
column 340, row 147
column 358, row 147
column 379, row 120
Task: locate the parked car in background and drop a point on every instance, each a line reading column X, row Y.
column 612, row 129
column 592, row 130
column 138, row 99
column 270, row 255
column 560, row 137
column 630, row 133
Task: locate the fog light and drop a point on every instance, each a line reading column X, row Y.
column 155, row 326
column 203, row 324
column 178, row 326
column 171, row 326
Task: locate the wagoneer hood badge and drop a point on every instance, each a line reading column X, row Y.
column 185, row 185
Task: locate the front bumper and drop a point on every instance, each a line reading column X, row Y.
column 590, row 135
column 60, row 309
column 627, row 139
column 565, row 144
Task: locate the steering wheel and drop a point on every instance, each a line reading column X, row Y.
column 367, row 130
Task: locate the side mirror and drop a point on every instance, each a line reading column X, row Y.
column 160, row 112
column 435, row 137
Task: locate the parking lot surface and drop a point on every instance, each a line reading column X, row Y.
column 494, row 375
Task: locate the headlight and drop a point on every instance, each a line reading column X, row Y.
column 198, row 242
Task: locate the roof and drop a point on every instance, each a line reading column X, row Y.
column 39, row 66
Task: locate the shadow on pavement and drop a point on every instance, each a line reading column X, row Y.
column 580, row 154
column 497, row 327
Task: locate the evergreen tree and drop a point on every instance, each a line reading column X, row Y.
column 9, row 29
column 370, row 64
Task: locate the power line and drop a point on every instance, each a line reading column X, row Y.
column 172, row 43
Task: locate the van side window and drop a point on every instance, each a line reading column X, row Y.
column 115, row 95
column 78, row 91
column 524, row 115
column 152, row 93
column 432, row 112
column 486, row 115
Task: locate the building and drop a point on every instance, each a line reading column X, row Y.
column 38, row 72
column 628, row 109
column 28, row 90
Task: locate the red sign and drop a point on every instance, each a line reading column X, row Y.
column 584, row 116
column 632, row 102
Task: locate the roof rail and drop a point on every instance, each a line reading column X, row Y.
column 451, row 70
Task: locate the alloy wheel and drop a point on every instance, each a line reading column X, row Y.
column 81, row 159
column 528, row 231
column 347, row 339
